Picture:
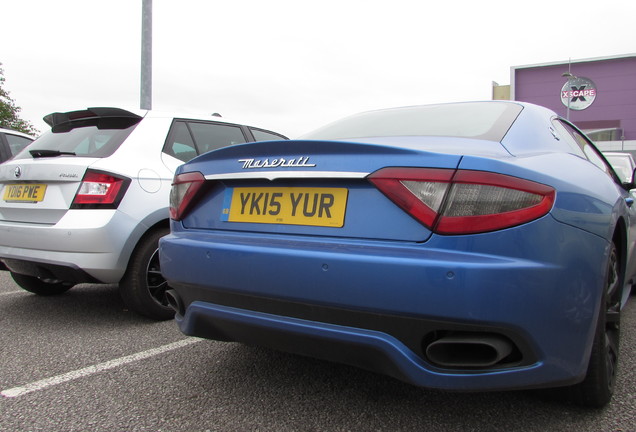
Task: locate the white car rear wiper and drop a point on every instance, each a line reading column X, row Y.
column 49, row 153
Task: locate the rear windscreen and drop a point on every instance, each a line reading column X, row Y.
column 88, row 138
column 480, row 120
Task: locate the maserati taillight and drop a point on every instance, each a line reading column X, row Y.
column 184, row 189
column 464, row 202
column 100, row 190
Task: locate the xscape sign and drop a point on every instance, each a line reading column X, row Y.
column 578, row 93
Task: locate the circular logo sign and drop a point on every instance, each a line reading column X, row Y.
column 578, row 93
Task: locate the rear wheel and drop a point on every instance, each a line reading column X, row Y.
column 598, row 386
column 39, row 286
column 143, row 288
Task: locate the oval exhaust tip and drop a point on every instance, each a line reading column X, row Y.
column 469, row 350
column 174, row 301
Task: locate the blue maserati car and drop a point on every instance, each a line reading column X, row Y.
column 465, row 246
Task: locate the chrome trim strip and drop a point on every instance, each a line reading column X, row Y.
column 273, row 175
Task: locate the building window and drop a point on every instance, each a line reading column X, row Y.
column 609, row 134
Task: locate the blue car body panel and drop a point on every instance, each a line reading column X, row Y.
column 459, row 280
column 370, row 293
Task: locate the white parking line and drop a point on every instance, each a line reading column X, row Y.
column 12, row 292
column 90, row 370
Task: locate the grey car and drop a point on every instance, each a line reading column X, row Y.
column 623, row 164
column 12, row 142
column 88, row 201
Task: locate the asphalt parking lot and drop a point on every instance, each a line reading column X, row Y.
column 82, row 362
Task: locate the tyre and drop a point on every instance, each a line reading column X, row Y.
column 143, row 288
column 596, row 389
column 39, row 286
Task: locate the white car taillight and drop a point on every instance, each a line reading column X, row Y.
column 100, row 190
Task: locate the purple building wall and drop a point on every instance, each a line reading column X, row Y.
column 614, row 105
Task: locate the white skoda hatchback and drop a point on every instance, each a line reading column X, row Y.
column 88, row 201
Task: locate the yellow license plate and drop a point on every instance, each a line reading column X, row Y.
column 24, row 192
column 288, row 206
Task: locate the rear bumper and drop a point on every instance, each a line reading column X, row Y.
column 378, row 305
column 84, row 246
column 372, row 350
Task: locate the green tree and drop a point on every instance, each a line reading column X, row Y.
column 9, row 112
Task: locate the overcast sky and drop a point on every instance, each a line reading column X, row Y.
column 292, row 65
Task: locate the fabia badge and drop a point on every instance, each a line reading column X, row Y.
column 578, row 93
column 299, row 162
